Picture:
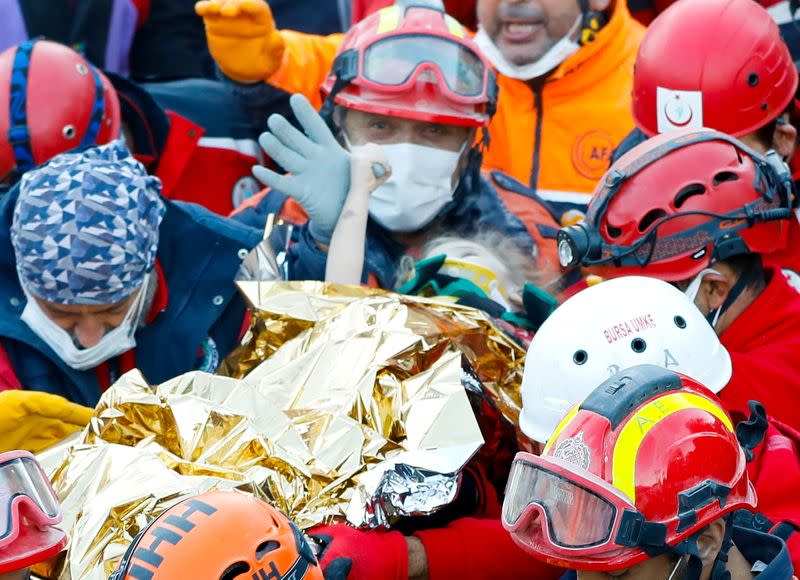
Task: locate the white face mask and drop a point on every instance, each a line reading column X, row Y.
column 114, row 343
column 558, row 53
column 694, row 287
column 420, row 186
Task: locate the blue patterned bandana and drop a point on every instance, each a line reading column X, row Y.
column 85, row 227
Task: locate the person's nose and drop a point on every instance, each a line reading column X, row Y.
column 89, row 330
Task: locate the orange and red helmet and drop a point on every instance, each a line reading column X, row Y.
column 220, row 535
column 716, row 63
column 51, row 101
column 414, row 61
column 678, row 203
column 648, row 459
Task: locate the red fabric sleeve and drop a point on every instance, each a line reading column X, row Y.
column 8, row 378
column 762, row 376
column 479, row 548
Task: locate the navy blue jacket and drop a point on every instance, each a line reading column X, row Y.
column 473, row 209
column 199, row 255
column 756, row 547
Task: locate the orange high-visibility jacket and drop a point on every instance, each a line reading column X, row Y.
column 555, row 134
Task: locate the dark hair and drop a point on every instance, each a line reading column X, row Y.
column 766, row 134
column 751, row 268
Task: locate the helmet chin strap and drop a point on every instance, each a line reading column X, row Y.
column 694, row 567
column 741, row 284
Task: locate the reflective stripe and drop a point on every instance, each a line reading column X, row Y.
column 564, row 196
column 243, row 146
column 638, row 426
column 454, row 26
column 557, row 431
column 389, row 19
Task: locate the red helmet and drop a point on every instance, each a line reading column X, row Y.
column 649, row 458
column 413, row 62
column 715, row 63
column 51, row 101
column 220, row 535
column 679, row 202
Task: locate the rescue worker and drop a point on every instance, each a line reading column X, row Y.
column 565, row 71
column 634, row 320
column 422, row 94
column 719, row 84
column 260, row 542
column 31, row 512
column 203, row 157
column 617, row 493
column 703, row 211
column 100, row 275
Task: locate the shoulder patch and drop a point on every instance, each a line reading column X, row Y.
column 591, row 154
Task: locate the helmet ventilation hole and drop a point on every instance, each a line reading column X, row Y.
column 613, row 232
column 724, row 177
column 680, row 321
column 266, row 548
column 687, row 192
column 580, row 357
column 69, row 132
column 638, row 345
column 752, row 79
column 650, row 218
column 235, row 570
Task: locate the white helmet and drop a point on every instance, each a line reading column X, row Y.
column 609, row 327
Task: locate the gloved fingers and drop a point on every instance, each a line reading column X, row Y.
column 289, row 136
column 206, row 8
column 257, row 9
column 284, row 183
column 231, row 8
column 282, row 155
column 311, row 122
column 338, row 569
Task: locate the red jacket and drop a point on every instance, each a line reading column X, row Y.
column 764, row 342
column 775, row 473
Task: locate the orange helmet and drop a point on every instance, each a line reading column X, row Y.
column 51, row 101
column 645, row 462
column 223, row 535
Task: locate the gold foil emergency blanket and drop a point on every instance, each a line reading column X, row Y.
column 335, row 393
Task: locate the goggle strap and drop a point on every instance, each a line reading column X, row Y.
column 636, row 532
column 345, row 68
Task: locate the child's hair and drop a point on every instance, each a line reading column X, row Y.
column 520, row 266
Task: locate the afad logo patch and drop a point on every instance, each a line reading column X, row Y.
column 678, row 109
column 591, row 154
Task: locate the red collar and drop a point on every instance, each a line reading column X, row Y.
column 161, row 296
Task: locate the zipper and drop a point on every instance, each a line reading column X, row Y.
column 537, row 86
